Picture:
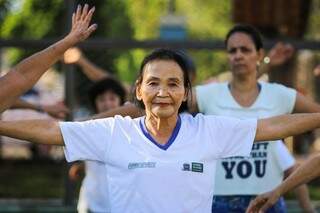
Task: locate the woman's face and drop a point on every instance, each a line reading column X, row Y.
column 106, row 101
column 162, row 88
column 242, row 54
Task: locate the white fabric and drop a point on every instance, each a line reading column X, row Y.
column 141, row 177
column 264, row 170
column 94, row 189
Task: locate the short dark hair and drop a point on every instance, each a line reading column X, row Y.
column 190, row 65
column 171, row 55
column 104, row 85
column 252, row 32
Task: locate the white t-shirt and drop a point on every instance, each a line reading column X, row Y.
column 263, row 171
column 94, row 189
column 143, row 176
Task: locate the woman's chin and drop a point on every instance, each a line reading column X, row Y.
column 164, row 113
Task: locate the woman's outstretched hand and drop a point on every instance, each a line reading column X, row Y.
column 263, row 202
column 81, row 28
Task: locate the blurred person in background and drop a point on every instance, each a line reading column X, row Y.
column 245, row 97
column 104, row 95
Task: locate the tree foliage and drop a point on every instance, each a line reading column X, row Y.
column 207, row 19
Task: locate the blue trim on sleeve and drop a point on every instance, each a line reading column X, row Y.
column 171, row 139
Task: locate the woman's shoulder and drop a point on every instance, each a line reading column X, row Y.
column 118, row 120
column 214, row 85
column 278, row 92
column 200, row 118
column 274, row 86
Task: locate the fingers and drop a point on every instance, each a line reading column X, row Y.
column 280, row 53
column 84, row 12
column 91, row 29
column 78, row 13
column 81, row 20
column 256, row 204
column 289, row 50
column 282, row 49
column 265, row 207
column 279, row 46
column 276, row 48
column 88, row 17
column 73, row 18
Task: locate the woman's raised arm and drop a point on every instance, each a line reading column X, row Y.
column 25, row 74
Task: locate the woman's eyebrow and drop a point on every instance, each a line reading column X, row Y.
column 152, row 78
column 174, row 79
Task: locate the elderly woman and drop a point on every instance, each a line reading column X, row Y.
column 166, row 160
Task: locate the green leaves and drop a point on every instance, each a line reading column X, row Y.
column 121, row 19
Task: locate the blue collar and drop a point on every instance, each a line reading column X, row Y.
column 171, row 139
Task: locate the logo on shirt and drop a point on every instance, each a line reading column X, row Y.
column 254, row 167
column 193, row 167
column 141, row 165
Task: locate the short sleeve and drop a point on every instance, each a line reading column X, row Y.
column 284, row 157
column 233, row 137
column 201, row 92
column 286, row 97
column 87, row 140
column 205, row 94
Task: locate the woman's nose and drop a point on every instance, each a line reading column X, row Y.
column 163, row 91
column 238, row 54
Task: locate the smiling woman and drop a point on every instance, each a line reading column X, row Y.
column 166, row 160
column 156, row 62
column 162, row 90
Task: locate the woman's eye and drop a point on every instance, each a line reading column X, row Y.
column 232, row 50
column 245, row 50
column 152, row 83
column 173, row 84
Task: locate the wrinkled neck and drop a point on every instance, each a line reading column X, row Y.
column 161, row 128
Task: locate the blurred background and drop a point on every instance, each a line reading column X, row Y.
column 127, row 30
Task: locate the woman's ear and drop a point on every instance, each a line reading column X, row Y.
column 138, row 91
column 186, row 95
